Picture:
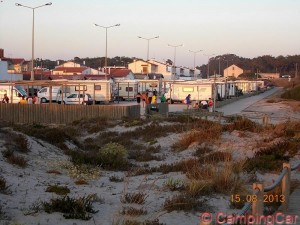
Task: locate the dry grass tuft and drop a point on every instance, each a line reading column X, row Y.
column 242, row 124
column 115, row 178
column 59, row 190
column 14, row 159
column 81, row 182
column 131, row 211
column 184, row 203
column 54, row 172
column 3, row 185
column 137, row 198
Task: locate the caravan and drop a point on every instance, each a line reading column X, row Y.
column 13, row 92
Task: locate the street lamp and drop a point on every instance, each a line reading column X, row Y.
column 195, row 52
column 97, row 25
column 148, row 40
column 208, row 57
column 175, row 46
column 32, row 51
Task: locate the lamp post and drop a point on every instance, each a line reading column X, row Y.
column 148, row 40
column 32, row 51
column 97, row 25
column 208, row 57
column 195, row 52
column 174, row 63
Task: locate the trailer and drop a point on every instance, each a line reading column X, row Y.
column 198, row 90
column 100, row 91
column 125, row 90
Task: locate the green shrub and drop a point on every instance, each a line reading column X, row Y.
column 113, row 156
column 72, row 208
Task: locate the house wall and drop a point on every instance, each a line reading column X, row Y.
column 233, row 71
column 140, row 67
column 69, row 64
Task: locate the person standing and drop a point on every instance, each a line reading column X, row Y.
column 138, row 97
column 153, row 99
column 210, row 105
column 29, row 99
column 150, row 94
column 23, row 100
column 188, row 101
column 5, row 99
column 163, row 98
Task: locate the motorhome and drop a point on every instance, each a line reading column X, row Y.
column 13, row 92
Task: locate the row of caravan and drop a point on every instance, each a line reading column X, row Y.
column 108, row 91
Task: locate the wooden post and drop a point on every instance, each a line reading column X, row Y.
column 257, row 200
column 286, row 186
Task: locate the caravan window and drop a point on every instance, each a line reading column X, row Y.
column 129, row 89
column 97, row 87
column 188, row 89
column 81, row 88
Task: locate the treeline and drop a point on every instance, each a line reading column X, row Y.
column 285, row 65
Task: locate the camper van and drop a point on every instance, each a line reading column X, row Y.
column 44, row 94
column 14, row 92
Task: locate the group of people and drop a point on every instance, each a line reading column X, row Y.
column 29, row 100
column 149, row 97
column 202, row 105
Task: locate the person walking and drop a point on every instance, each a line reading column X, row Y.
column 210, row 105
column 188, row 101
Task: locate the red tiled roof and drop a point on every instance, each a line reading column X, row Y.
column 17, row 60
column 119, row 72
column 71, row 69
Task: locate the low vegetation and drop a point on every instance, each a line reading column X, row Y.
column 72, row 208
column 293, row 93
column 3, row 185
column 132, row 211
column 59, row 190
column 137, row 198
column 14, row 159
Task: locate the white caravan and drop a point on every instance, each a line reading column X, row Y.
column 125, row 90
column 14, row 92
column 198, row 91
column 100, row 91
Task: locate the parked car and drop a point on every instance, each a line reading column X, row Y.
column 73, row 99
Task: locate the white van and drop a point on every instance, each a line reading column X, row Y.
column 14, row 92
column 44, row 94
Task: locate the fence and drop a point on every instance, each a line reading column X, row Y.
column 256, row 200
column 161, row 108
column 63, row 114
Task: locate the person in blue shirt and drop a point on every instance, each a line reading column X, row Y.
column 188, row 101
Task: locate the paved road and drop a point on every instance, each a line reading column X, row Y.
column 239, row 105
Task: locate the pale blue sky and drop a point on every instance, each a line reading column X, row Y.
column 246, row 28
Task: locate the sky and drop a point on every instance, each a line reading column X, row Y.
column 64, row 30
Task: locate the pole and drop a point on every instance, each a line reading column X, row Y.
column 195, row 52
column 106, row 28
column 32, row 50
column 174, row 63
column 208, row 57
column 105, row 66
column 148, row 43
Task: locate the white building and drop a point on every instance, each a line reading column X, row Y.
column 233, row 71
